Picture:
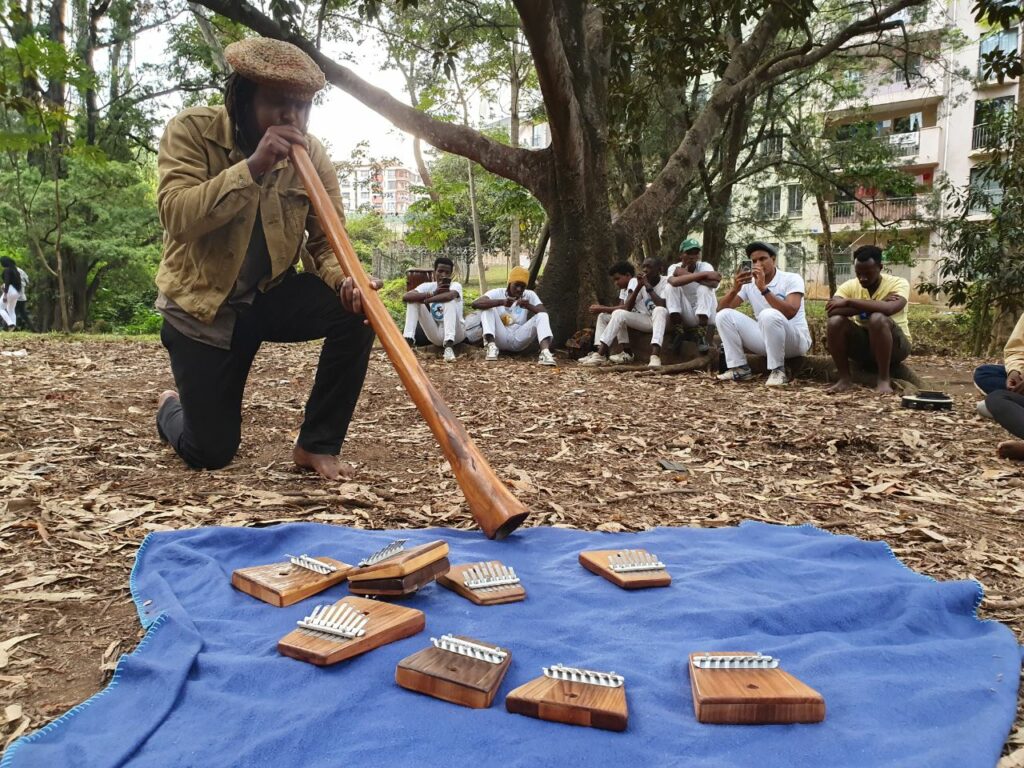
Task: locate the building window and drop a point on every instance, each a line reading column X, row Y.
column 795, row 208
column 771, row 146
column 986, row 192
column 769, row 203
column 987, row 117
column 1001, row 40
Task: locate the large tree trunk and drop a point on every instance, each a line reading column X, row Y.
column 514, row 245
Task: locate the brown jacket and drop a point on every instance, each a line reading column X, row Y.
column 208, row 202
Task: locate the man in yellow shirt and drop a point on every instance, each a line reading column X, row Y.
column 236, row 220
column 867, row 320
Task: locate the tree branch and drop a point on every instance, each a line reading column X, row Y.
column 525, row 167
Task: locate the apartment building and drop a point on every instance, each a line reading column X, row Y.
column 938, row 126
column 389, row 190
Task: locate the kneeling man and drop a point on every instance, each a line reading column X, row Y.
column 436, row 307
column 867, row 320
column 511, row 317
column 778, row 329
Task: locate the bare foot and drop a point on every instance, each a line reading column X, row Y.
column 843, row 385
column 327, row 466
column 885, row 388
column 166, row 395
column 1012, row 450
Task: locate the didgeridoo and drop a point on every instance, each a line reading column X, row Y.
column 492, row 505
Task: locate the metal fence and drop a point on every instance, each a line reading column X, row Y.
column 394, row 261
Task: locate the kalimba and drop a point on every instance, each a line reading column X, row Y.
column 458, row 669
column 573, row 696
column 395, row 571
column 349, row 627
column 627, row 568
column 489, row 583
column 282, row 584
column 741, row 687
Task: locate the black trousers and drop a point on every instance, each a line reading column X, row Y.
column 1007, row 408
column 205, row 424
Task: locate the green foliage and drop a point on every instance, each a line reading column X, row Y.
column 984, row 271
column 367, row 231
column 446, row 223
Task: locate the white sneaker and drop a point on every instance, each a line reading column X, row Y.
column 777, row 378
column 655, row 362
column 743, row 373
column 594, row 358
column 546, row 358
column 449, row 355
column 621, row 358
column 492, row 352
column 982, row 410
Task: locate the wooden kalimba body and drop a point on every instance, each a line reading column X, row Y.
column 627, row 568
column 573, row 696
column 283, row 584
column 395, row 571
column 487, row 583
column 458, row 669
column 353, row 625
column 740, row 687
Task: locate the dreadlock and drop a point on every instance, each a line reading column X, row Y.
column 238, row 95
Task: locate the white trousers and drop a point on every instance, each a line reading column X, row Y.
column 515, row 338
column 771, row 334
column 7, row 304
column 622, row 319
column 452, row 328
column 705, row 304
column 602, row 323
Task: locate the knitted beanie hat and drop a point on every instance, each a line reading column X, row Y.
column 519, row 275
column 277, row 64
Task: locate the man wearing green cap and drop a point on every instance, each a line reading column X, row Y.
column 236, row 220
column 691, row 295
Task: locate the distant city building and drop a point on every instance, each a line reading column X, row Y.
column 388, row 190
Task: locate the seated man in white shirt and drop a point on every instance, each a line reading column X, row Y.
column 778, row 329
column 623, row 275
column 690, row 297
column 512, row 317
column 644, row 310
column 437, row 308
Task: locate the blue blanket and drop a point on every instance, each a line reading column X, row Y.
column 910, row 676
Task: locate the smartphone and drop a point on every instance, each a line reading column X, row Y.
column 746, row 266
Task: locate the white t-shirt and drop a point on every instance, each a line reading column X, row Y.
column 518, row 315
column 644, row 303
column 624, row 293
column 437, row 308
column 690, row 289
column 23, row 296
column 783, row 284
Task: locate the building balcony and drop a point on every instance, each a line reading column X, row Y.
column 904, row 212
column 917, row 147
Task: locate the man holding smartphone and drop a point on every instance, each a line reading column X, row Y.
column 779, row 327
column 437, row 308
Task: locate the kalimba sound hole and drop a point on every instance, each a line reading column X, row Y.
column 751, row 685
column 572, row 695
column 284, row 572
column 453, row 669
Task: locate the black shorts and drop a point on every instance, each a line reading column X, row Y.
column 858, row 344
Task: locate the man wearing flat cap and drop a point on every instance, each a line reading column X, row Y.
column 778, row 328
column 236, row 222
